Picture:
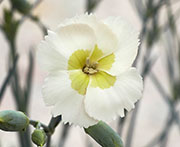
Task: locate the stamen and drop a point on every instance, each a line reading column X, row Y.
column 87, row 61
column 90, row 68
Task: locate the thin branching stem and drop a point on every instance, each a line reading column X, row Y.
column 34, row 18
column 1, row 1
column 34, row 123
column 91, row 5
column 148, row 64
column 64, row 134
column 167, row 98
column 52, row 125
column 162, row 135
column 7, row 79
column 141, row 37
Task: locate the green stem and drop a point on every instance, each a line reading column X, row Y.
column 34, row 123
column 24, row 137
column 48, row 144
column 163, row 134
column 91, row 5
column 7, row 79
column 52, row 125
column 1, row 1
column 64, row 134
column 121, row 123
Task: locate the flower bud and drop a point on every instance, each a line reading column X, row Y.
column 13, row 120
column 21, row 6
column 39, row 137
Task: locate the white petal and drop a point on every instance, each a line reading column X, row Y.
column 67, row 102
column 49, row 57
column 121, row 112
column 76, row 36
column 127, row 44
column 107, row 104
column 107, row 41
column 54, row 52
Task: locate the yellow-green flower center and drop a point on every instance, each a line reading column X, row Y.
column 85, row 65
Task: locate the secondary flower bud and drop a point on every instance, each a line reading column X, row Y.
column 39, row 137
column 13, row 120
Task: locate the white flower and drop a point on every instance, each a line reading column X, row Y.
column 89, row 65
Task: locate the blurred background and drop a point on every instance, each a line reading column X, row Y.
column 155, row 120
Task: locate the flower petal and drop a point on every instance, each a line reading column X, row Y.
column 76, row 36
column 127, row 44
column 106, row 62
column 54, row 52
column 95, row 54
column 107, row 41
column 78, row 59
column 67, row 102
column 79, row 81
column 49, row 58
column 102, row 80
column 106, row 104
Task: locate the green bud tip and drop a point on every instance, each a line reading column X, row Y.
column 39, row 137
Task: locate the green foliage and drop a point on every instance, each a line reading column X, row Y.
column 13, row 120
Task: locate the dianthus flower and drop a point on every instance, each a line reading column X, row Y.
column 90, row 77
